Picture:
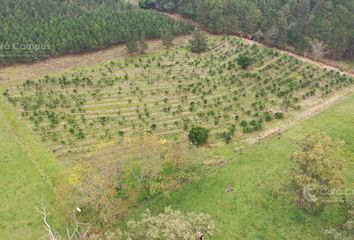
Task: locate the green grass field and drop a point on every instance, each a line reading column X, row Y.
column 28, row 172
column 261, row 206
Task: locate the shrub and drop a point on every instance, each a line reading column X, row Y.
column 244, row 61
column 279, row 115
column 142, row 45
column 198, row 135
column 228, row 135
column 267, row 117
column 243, row 123
column 199, row 42
column 171, row 225
column 167, row 39
column 80, row 135
column 346, row 230
column 256, row 125
column 132, row 46
column 147, row 4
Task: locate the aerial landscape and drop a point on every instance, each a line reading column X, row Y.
column 176, row 119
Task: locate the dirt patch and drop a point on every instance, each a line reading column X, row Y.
column 20, row 72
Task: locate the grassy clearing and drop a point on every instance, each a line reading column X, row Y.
column 28, row 172
column 261, row 206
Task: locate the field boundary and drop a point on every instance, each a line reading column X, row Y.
column 23, row 136
column 69, row 62
column 302, row 116
column 311, row 60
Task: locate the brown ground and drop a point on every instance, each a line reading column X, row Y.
column 20, row 72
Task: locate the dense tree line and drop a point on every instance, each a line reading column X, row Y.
column 36, row 29
column 297, row 23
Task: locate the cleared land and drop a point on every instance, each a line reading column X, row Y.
column 261, row 205
column 20, row 72
column 167, row 93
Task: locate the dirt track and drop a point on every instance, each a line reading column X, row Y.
column 20, row 72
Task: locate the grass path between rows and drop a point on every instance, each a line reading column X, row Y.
column 261, row 205
column 28, row 172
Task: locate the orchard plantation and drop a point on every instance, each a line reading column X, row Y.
column 167, row 94
column 74, row 26
column 276, row 22
column 155, row 120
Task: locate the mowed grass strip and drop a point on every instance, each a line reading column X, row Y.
column 28, row 172
column 261, row 205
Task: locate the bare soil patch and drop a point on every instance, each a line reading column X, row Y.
column 20, row 72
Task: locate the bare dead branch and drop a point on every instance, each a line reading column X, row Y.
column 80, row 230
column 43, row 210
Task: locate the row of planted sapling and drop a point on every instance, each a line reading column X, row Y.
column 234, row 88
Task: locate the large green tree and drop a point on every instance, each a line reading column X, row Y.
column 317, row 168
